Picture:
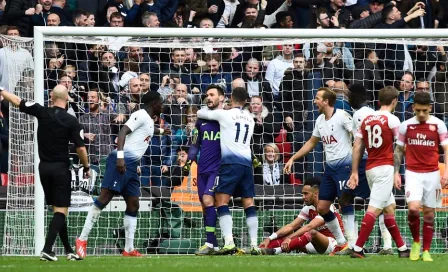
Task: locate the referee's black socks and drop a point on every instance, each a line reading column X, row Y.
column 63, row 234
column 56, row 225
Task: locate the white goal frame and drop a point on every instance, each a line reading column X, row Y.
column 40, row 32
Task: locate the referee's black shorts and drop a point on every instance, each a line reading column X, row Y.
column 56, row 181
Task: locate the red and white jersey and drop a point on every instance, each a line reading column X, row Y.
column 422, row 142
column 379, row 131
column 308, row 213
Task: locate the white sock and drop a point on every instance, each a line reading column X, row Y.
column 92, row 217
column 130, row 226
column 403, row 248
column 252, row 225
column 278, row 250
column 226, row 224
column 349, row 227
column 387, row 239
column 334, row 227
column 209, row 245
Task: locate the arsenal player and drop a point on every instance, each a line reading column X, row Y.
column 308, row 232
column 377, row 134
column 422, row 136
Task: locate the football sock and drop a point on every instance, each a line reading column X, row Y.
column 391, row 224
column 130, row 225
column 252, row 225
column 385, row 235
column 226, row 224
column 57, row 222
column 63, row 234
column 348, row 218
column 368, row 222
column 333, row 225
column 414, row 224
column 300, row 242
column 278, row 251
column 210, row 225
column 92, row 217
column 428, row 231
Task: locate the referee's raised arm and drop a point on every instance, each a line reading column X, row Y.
column 56, row 129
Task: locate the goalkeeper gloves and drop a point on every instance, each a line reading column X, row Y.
column 187, row 166
column 256, row 163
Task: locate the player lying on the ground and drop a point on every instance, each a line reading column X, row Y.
column 312, row 238
column 121, row 171
column 376, row 134
column 422, row 135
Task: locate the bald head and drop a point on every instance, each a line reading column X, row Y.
column 59, row 94
column 340, row 87
column 238, row 82
column 53, row 19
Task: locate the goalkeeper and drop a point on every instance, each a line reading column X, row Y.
column 206, row 140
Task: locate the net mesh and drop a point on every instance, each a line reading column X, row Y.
column 286, row 73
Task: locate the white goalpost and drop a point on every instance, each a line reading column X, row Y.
column 272, row 207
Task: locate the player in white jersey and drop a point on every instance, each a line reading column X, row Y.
column 334, row 127
column 235, row 172
column 121, row 171
column 357, row 99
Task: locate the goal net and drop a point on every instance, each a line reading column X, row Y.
column 107, row 71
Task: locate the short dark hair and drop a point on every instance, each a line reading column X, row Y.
column 281, row 16
column 116, row 15
column 217, row 87
column 183, row 148
column 357, row 95
column 78, row 13
column 386, row 12
column 422, row 99
column 328, row 95
column 313, row 182
column 240, row 95
column 12, row 27
column 151, row 97
column 387, row 95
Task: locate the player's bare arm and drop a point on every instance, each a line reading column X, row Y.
column 283, row 231
column 444, row 179
column 398, row 155
column 121, row 166
column 11, row 98
column 306, row 148
column 358, row 151
column 315, row 223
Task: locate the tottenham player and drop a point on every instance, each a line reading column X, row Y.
column 121, row 171
column 235, row 173
column 206, row 142
column 422, row 136
column 313, row 237
column 376, row 134
column 357, row 98
column 334, row 127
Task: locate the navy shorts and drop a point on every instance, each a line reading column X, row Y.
column 334, row 183
column 127, row 184
column 206, row 184
column 236, row 180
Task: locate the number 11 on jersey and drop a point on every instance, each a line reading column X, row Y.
column 238, row 128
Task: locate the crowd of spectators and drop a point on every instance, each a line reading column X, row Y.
column 105, row 83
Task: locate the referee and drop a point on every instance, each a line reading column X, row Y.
column 56, row 129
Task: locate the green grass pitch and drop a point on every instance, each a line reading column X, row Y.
column 287, row 263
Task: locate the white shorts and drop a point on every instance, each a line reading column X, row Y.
column 381, row 183
column 424, row 187
column 331, row 245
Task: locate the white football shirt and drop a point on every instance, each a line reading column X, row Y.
column 359, row 116
column 137, row 141
column 336, row 136
column 237, row 127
